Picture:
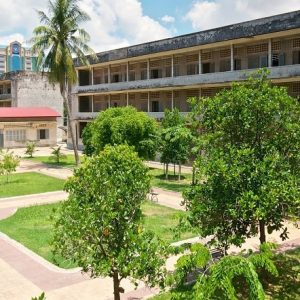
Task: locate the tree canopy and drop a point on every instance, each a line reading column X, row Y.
column 124, row 125
column 248, row 177
column 100, row 225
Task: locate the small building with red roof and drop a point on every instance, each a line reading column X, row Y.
column 19, row 125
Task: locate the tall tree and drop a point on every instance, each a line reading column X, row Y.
column 123, row 125
column 57, row 42
column 100, row 225
column 249, row 175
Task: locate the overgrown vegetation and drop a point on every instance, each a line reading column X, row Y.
column 30, row 148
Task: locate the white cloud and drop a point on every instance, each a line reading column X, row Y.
column 113, row 24
column 7, row 39
column 210, row 14
column 168, row 19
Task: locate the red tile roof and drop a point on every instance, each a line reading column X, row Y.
column 27, row 112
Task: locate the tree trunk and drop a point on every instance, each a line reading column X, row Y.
column 167, row 171
column 116, row 286
column 179, row 171
column 262, row 231
column 67, row 101
column 193, row 176
column 174, row 171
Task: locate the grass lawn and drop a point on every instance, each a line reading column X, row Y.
column 285, row 286
column 69, row 161
column 158, row 180
column 28, row 183
column 32, row 227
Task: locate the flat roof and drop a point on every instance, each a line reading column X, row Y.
column 27, row 112
column 276, row 23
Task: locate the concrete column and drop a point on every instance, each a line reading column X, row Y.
column 148, row 101
column 270, row 53
column 109, row 101
column 109, row 76
column 200, row 62
column 127, row 71
column 172, row 105
column 200, row 93
column 92, row 103
column 172, row 66
column 148, row 69
column 127, row 99
column 92, row 73
column 231, row 57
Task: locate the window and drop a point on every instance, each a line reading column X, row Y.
column 1, row 89
column 225, row 65
column 278, row 59
column 156, row 73
column 42, row 134
column 84, row 104
column 81, row 127
column 296, row 57
column 207, row 68
column 237, row 64
column 131, row 76
column 176, row 70
column 115, row 78
column 16, row 135
column 192, row 69
column 144, row 75
column 155, row 106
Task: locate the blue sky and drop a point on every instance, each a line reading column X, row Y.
column 119, row 23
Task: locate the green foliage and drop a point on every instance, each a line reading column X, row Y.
column 100, row 225
column 248, row 179
column 30, row 148
column 57, row 155
column 218, row 279
column 41, row 297
column 8, row 163
column 176, row 140
column 124, row 125
column 89, row 149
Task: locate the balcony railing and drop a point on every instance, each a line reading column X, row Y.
column 5, row 96
column 189, row 80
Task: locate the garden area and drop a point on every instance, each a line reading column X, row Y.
column 33, row 227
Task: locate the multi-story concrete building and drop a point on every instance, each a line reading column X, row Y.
column 163, row 74
column 31, row 89
column 14, row 57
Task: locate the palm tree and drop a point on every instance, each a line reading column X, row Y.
column 56, row 43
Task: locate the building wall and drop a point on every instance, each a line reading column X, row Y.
column 29, row 89
column 30, row 128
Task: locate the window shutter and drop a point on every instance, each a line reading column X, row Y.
column 264, row 61
column 38, row 134
column 47, row 134
column 281, row 59
column 296, row 57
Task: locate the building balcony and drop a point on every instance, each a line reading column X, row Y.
column 281, row 72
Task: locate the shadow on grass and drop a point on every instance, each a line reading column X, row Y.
column 287, row 284
column 170, row 177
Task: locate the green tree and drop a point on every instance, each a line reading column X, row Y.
column 57, row 155
column 30, row 148
column 176, row 140
column 100, row 225
column 248, row 177
column 8, row 163
column 124, row 125
column 56, row 43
